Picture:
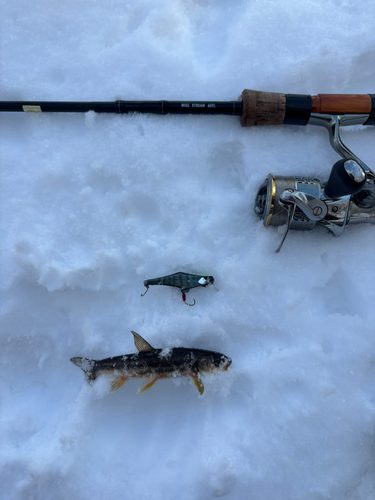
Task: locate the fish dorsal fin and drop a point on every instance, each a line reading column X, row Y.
column 141, row 344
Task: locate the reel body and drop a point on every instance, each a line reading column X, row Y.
column 301, row 203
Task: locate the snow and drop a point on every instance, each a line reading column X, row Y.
column 92, row 205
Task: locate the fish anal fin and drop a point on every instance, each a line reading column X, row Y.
column 141, row 344
column 198, row 384
column 117, row 383
column 147, row 386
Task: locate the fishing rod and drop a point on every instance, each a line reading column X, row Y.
column 348, row 196
column 254, row 108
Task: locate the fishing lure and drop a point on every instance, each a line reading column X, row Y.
column 184, row 281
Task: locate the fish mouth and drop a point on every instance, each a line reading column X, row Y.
column 227, row 365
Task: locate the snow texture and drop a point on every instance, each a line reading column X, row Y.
column 93, row 204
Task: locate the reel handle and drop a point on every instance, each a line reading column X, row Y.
column 347, row 178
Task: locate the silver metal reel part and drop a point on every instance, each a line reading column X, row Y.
column 301, row 202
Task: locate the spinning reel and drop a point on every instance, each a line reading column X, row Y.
column 348, row 197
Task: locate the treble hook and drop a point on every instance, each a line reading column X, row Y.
column 184, row 299
column 143, row 294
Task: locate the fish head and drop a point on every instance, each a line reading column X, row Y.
column 212, row 362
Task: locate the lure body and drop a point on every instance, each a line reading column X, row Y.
column 183, row 281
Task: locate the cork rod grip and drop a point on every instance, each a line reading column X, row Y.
column 269, row 108
column 262, row 108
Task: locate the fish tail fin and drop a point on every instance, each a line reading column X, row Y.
column 86, row 365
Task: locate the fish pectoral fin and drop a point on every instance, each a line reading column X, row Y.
column 140, row 343
column 147, row 386
column 117, row 383
column 198, row 384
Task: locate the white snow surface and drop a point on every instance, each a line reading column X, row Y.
column 93, row 204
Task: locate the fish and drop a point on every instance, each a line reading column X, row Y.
column 184, row 281
column 154, row 364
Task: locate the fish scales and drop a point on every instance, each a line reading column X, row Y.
column 151, row 363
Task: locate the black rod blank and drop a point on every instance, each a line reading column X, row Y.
column 154, row 107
